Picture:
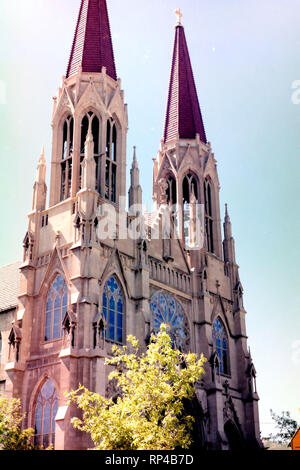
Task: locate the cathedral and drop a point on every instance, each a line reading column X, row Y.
column 97, row 267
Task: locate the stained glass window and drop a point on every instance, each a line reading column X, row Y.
column 221, row 345
column 45, row 413
column 165, row 309
column 56, row 308
column 113, row 310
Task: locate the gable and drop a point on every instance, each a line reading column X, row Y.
column 9, row 286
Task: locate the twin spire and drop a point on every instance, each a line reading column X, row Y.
column 183, row 116
column 92, row 45
column 92, row 49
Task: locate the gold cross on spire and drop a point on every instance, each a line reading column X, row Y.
column 179, row 15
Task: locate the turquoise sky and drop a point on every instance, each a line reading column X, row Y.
column 245, row 56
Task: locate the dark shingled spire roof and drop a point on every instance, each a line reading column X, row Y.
column 183, row 115
column 92, row 45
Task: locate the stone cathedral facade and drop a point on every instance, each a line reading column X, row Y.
column 84, row 288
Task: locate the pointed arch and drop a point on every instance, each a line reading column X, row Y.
column 56, row 306
column 221, row 345
column 233, row 434
column 171, row 189
column 167, row 309
column 190, row 185
column 66, row 162
column 91, row 119
column 111, row 159
column 113, row 310
column 209, row 208
column 44, row 410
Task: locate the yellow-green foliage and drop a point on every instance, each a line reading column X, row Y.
column 149, row 413
column 11, row 435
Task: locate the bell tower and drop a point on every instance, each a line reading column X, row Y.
column 185, row 177
column 56, row 338
column 90, row 100
column 185, row 160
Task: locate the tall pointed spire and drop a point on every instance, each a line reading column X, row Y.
column 183, row 117
column 92, row 45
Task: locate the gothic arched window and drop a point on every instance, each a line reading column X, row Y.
column 166, row 309
column 220, row 340
column 171, row 190
column 90, row 120
column 56, row 308
column 113, row 310
column 44, row 417
column 209, row 220
column 66, row 158
column 111, row 162
column 189, row 186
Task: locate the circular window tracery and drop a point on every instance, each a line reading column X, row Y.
column 166, row 309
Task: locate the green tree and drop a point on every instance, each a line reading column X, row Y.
column 11, row 435
column 149, row 412
column 285, row 425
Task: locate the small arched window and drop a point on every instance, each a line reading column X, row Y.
column 220, row 341
column 56, row 308
column 189, row 188
column 171, row 190
column 111, row 162
column 44, row 417
column 113, row 310
column 92, row 121
column 66, row 158
column 209, row 219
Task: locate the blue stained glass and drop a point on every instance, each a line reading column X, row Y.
column 56, row 308
column 221, row 344
column 120, row 306
column 154, row 307
column 120, row 321
column 57, row 302
column 112, row 303
column 49, row 305
column 119, row 335
column 45, row 412
column 113, row 299
column 112, row 284
column 46, row 419
column 47, row 389
column 65, row 300
column 112, row 318
column 165, row 309
column 38, row 419
column 56, row 324
column 58, row 282
column 111, row 332
column 163, row 305
column 54, row 412
column 48, row 326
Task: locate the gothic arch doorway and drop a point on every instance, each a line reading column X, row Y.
column 233, row 435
